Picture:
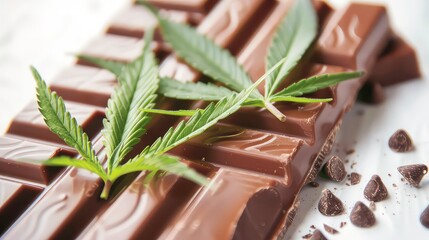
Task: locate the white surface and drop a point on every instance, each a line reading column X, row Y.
column 44, row 32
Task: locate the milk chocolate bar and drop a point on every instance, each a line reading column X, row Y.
column 397, row 63
column 256, row 164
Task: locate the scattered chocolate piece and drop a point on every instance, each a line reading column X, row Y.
column 318, row 235
column 350, row 151
column 335, row 169
column 372, row 206
column 375, row 190
column 313, row 184
column 361, row 215
column 394, row 185
column 413, row 173
column 355, row 178
column 329, row 204
column 330, row 229
column 313, row 227
column 307, row 236
column 400, row 141
column 424, row 218
column 342, row 224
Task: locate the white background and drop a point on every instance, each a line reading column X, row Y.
column 45, row 33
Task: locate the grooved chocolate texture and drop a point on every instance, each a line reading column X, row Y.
column 256, row 164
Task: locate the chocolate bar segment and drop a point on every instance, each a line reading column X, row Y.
column 354, row 37
column 14, row 199
column 29, row 122
column 144, row 209
column 63, row 210
column 201, row 6
column 118, row 48
column 22, row 159
column 224, row 210
column 248, row 149
column 134, row 21
column 397, row 63
column 224, row 26
column 302, row 120
column 84, row 84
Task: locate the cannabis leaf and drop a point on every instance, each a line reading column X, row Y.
column 179, row 113
column 314, row 83
column 124, row 123
column 203, row 54
column 60, row 122
column 292, row 39
column 198, row 123
column 192, row 91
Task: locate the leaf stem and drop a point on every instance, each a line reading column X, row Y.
column 279, row 115
column 106, row 190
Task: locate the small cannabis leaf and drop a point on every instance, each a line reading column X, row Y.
column 313, row 84
column 292, row 39
column 60, row 122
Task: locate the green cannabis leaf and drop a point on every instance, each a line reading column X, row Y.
column 60, row 122
column 203, row 54
column 292, row 39
column 313, row 84
column 179, row 113
column 192, row 91
column 124, row 124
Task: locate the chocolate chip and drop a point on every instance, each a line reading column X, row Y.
column 400, row 141
column 424, row 218
column 318, row 235
column 342, row 224
column 330, row 229
column 335, row 169
column 361, row 216
column 375, row 190
column 329, row 204
column 307, row 236
column 413, row 173
column 355, row 178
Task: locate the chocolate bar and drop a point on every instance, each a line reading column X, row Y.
column 257, row 165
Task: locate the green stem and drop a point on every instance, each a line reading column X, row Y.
column 106, row 190
column 279, row 115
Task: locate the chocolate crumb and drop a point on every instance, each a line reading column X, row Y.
column 424, row 218
column 400, row 141
column 413, row 173
column 355, row 178
column 318, row 235
column 342, row 224
column 350, row 151
column 372, row 206
column 329, row 204
column 389, row 174
column 361, row 215
column 330, row 229
column 375, row 190
column 313, row 184
column 394, row 185
column 307, row 236
column 335, row 169
column 313, row 227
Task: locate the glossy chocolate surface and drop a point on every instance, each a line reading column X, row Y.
column 22, row 159
column 354, row 36
column 257, row 164
column 30, row 123
column 14, row 199
column 84, row 84
column 134, row 21
column 398, row 63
